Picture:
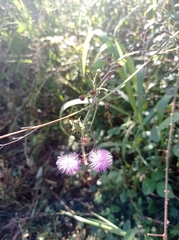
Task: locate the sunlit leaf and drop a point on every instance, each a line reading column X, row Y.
column 122, row 62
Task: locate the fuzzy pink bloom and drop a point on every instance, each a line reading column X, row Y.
column 100, row 160
column 68, row 164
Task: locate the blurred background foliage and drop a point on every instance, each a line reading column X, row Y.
column 50, row 49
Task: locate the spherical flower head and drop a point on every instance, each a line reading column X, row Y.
column 100, row 160
column 68, row 164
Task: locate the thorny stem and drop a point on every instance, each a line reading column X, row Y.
column 167, row 161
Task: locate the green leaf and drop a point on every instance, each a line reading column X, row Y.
column 106, row 212
column 114, row 131
column 104, row 178
column 148, row 118
column 85, row 49
column 120, row 109
column 174, row 212
column 160, row 190
column 167, row 121
column 104, row 38
column 124, row 71
column 99, row 64
column 162, row 103
column 131, row 193
column 118, row 179
column 175, row 231
column 176, row 150
column 112, row 174
column 148, row 186
column 130, row 234
column 127, row 225
column 154, row 134
column 123, row 197
column 115, row 208
column 160, row 108
column 157, row 175
column 109, row 144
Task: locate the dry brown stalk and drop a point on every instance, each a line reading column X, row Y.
column 33, row 128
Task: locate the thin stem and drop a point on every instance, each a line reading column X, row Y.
column 94, row 115
column 24, row 129
column 83, row 148
column 167, row 161
column 95, row 101
column 17, row 139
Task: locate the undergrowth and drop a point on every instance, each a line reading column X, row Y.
column 90, row 83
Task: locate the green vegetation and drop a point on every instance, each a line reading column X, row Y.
column 122, row 58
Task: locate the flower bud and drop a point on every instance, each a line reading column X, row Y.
column 92, row 92
column 85, row 141
column 107, row 106
column 81, row 97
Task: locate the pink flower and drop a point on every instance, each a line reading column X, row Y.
column 68, row 164
column 100, row 160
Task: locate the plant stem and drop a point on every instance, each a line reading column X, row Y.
column 167, row 161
